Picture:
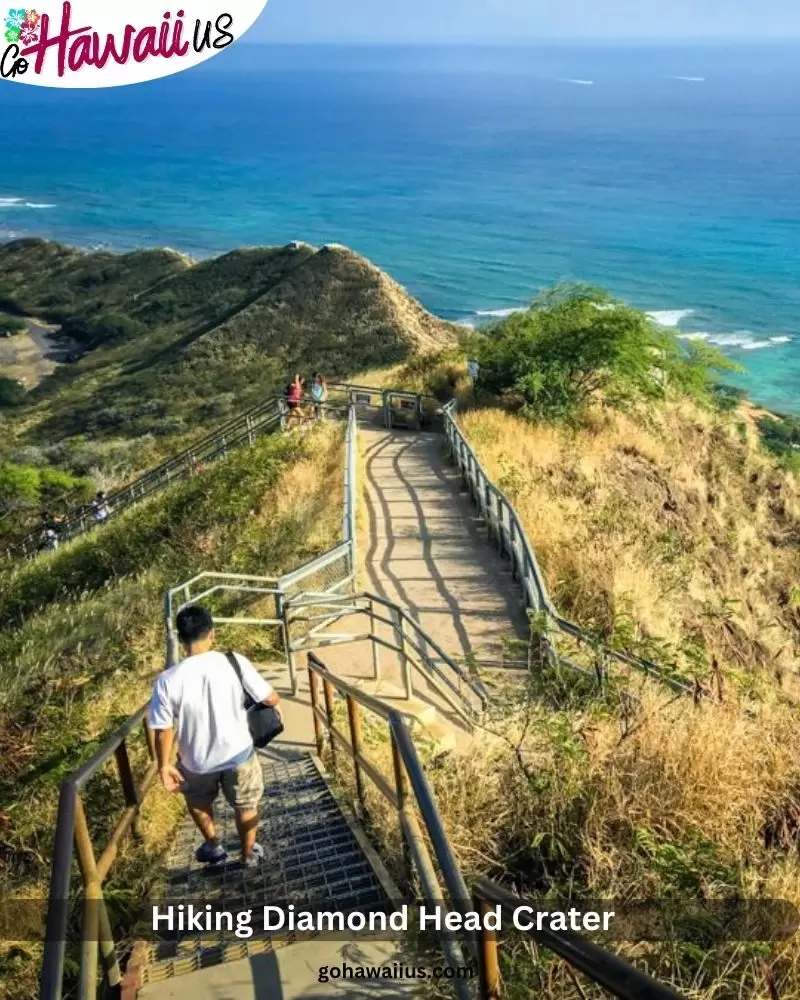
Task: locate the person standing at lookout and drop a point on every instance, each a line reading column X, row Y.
column 319, row 395
column 204, row 698
column 294, row 397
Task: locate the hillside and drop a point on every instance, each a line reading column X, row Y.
column 675, row 534
column 174, row 347
column 83, row 639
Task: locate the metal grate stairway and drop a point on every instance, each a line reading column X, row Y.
column 314, row 857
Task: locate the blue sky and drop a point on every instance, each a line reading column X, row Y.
column 509, row 20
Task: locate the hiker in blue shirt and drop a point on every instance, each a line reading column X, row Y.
column 319, row 395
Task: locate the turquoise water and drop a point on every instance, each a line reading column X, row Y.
column 475, row 176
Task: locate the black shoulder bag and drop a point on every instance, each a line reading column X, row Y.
column 264, row 721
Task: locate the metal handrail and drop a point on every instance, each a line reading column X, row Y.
column 602, row 967
column 240, row 429
column 408, row 770
column 244, row 428
column 72, row 835
column 505, row 528
column 447, row 677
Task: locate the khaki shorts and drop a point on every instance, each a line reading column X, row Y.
column 242, row 786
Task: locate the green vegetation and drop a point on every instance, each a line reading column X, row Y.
column 781, row 437
column 576, row 346
column 11, row 324
column 38, row 487
column 83, row 639
column 11, row 392
column 177, row 347
column 103, row 329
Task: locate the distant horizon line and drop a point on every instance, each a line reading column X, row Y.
column 525, row 42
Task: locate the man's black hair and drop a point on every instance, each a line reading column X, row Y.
column 193, row 623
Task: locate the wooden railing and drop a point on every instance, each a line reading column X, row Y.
column 74, row 837
column 421, row 824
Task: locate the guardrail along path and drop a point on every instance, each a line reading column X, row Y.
column 401, row 615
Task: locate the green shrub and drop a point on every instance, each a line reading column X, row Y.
column 781, row 437
column 577, row 345
column 728, row 397
column 11, row 324
column 11, row 392
column 32, row 485
column 105, row 328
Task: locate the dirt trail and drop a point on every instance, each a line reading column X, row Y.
column 32, row 356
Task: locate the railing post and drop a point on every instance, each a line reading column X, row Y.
column 327, row 687
column 401, row 787
column 58, row 909
column 171, row 638
column 87, row 984
column 487, row 955
column 387, row 410
column 287, row 646
column 513, row 546
column 128, row 782
column 319, row 736
column 96, row 925
column 149, row 735
column 354, row 718
column 376, row 655
column 501, row 534
column 405, row 665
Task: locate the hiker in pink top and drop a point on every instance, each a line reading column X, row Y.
column 294, row 398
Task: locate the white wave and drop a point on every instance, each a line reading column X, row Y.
column 468, row 323
column 745, row 340
column 669, row 317
column 579, row 83
column 690, row 79
column 21, row 203
column 500, row 313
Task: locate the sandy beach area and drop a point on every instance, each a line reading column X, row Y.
column 35, row 354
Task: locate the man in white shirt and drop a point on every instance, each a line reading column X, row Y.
column 204, row 698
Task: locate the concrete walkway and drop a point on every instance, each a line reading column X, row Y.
column 425, row 549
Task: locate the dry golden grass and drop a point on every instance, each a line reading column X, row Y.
column 675, row 523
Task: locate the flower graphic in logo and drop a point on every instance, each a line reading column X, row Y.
column 28, row 34
column 14, row 21
column 16, row 18
column 22, row 26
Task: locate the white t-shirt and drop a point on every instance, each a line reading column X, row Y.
column 202, row 694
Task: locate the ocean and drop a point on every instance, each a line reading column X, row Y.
column 475, row 175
